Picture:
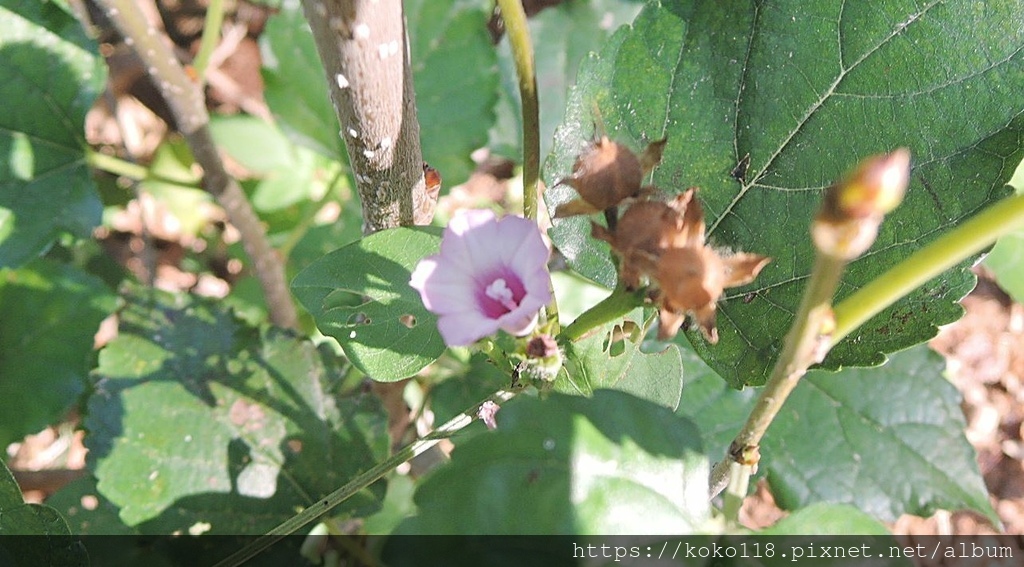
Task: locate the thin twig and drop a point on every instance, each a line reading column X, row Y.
column 188, row 106
column 802, row 347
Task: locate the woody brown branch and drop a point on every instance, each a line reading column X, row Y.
column 365, row 53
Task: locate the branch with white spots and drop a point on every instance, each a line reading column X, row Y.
column 365, row 53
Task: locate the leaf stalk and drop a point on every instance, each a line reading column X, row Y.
column 945, row 252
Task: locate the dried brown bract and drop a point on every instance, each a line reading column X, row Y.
column 666, row 242
column 644, row 231
column 691, row 280
column 607, row 173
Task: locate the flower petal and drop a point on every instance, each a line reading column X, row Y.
column 469, row 241
column 465, row 328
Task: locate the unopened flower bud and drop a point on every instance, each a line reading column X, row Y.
column 847, row 224
column 543, row 358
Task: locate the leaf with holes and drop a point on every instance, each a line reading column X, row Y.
column 198, row 419
column 360, row 295
column 807, row 90
column 840, row 436
column 50, row 73
column 610, row 357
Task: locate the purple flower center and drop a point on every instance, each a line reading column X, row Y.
column 500, row 294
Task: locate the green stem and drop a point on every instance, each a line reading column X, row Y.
column 514, row 16
column 116, row 165
column 326, row 504
column 211, row 35
column 736, row 493
column 945, row 252
column 801, row 349
column 620, row 302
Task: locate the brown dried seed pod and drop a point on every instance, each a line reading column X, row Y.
column 604, row 174
column 646, row 228
column 691, row 281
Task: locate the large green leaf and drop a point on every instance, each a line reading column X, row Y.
column 197, row 420
column 455, row 70
column 376, row 333
column 608, row 464
column 887, row 440
column 50, row 74
column 611, row 358
column 807, row 90
column 49, row 314
column 827, row 519
column 55, row 547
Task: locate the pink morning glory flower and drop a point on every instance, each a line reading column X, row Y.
column 491, row 274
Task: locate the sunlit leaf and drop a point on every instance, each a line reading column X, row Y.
column 607, row 464
column 840, row 437
column 50, row 73
column 360, row 295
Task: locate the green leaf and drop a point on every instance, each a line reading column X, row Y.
column 563, row 35
column 455, row 71
column 288, row 174
column 257, row 145
column 200, row 422
column 827, row 519
column 1006, row 259
column 56, row 547
column 868, row 423
column 49, row 314
column 718, row 410
column 295, row 86
column 807, row 90
column 375, row 333
column 611, row 463
column 611, row 358
column 457, row 393
column 50, row 74
column 841, row 436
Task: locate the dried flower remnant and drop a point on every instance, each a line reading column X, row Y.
column 607, row 173
column 543, row 358
column 645, row 230
column 691, row 276
column 490, row 274
column 692, row 279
